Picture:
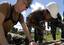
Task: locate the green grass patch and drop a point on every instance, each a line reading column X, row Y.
column 48, row 36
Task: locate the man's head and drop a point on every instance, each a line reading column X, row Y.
column 22, row 5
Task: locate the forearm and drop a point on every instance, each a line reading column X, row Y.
column 25, row 28
column 3, row 40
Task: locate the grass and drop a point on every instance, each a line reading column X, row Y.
column 48, row 36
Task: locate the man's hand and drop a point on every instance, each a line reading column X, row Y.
column 32, row 43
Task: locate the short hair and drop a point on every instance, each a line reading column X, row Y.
column 28, row 2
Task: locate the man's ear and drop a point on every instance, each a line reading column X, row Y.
column 53, row 9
